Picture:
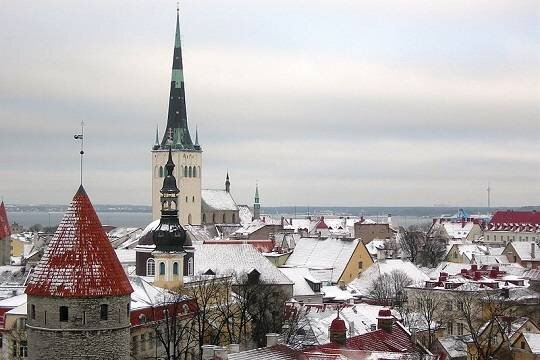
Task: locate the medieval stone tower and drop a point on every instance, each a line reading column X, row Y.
column 79, row 295
column 186, row 155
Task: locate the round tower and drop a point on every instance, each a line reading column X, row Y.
column 79, row 295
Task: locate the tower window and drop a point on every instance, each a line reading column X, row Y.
column 193, row 199
column 194, row 171
column 213, row 218
column 190, row 171
column 190, row 266
column 127, row 310
column 186, row 199
column 189, row 219
column 104, row 312
column 150, row 267
column 175, row 268
column 224, row 218
column 33, row 311
column 161, row 268
column 185, row 171
column 64, row 313
column 161, row 171
column 204, row 218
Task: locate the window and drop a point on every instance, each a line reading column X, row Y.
column 161, row 171
column 45, row 318
column 234, row 218
column 33, row 311
column 213, row 218
column 190, row 266
column 189, row 219
column 104, row 312
column 460, row 329
column 161, row 268
column 150, row 267
column 360, row 264
column 450, row 328
column 127, row 310
column 190, row 172
column 134, row 344
column 185, row 171
column 186, row 199
column 522, row 345
column 23, row 349
column 204, row 218
column 194, row 171
column 175, row 268
column 64, row 314
column 193, row 199
column 224, row 219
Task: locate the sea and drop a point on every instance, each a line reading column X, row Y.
column 401, row 216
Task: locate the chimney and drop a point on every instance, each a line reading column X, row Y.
column 271, row 339
column 338, row 331
column 208, row 352
column 220, row 353
column 282, row 222
column 385, row 320
column 533, row 250
column 234, row 348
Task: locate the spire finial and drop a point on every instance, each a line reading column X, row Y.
column 81, row 153
column 196, row 135
column 177, row 7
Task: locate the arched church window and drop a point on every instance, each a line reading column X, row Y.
column 224, row 219
column 162, row 268
column 194, row 171
column 175, row 268
column 190, row 171
column 150, row 267
column 161, row 171
column 185, row 171
column 193, row 199
column 189, row 219
column 213, row 218
column 190, row 266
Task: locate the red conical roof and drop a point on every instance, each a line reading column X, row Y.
column 79, row 260
column 4, row 223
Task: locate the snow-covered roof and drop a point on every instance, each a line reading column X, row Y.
column 144, row 294
column 378, row 268
column 455, row 346
column 217, row 200
column 374, row 245
column 533, row 340
column 335, row 293
column 457, row 230
column 359, row 319
column 299, row 277
column 13, row 301
column 126, row 256
column 245, row 215
column 523, row 250
column 323, row 253
column 19, row 310
column 227, row 259
column 455, row 268
column 490, row 259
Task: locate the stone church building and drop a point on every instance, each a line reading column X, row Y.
column 197, row 206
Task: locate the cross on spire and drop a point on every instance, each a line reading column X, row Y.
column 81, row 152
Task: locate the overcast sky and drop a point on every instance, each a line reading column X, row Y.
column 346, row 103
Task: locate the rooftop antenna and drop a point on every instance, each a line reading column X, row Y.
column 81, row 153
column 488, row 196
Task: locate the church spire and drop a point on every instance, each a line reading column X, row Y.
column 227, row 183
column 257, row 204
column 177, row 116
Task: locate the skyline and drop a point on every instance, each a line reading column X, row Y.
column 424, row 106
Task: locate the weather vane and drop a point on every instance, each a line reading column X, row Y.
column 81, row 138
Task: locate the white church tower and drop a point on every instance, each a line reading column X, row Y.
column 186, row 155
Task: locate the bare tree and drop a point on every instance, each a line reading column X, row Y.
column 389, row 287
column 410, row 240
column 423, row 244
column 297, row 331
column 479, row 312
column 427, row 315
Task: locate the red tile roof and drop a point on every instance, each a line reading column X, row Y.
column 4, row 223
column 399, row 340
column 516, row 217
column 79, row 260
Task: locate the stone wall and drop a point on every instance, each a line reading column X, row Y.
column 84, row 335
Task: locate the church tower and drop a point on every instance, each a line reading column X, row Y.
column 257, row 204
column 79, row 295
column 169, row 237
column 186, row 155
